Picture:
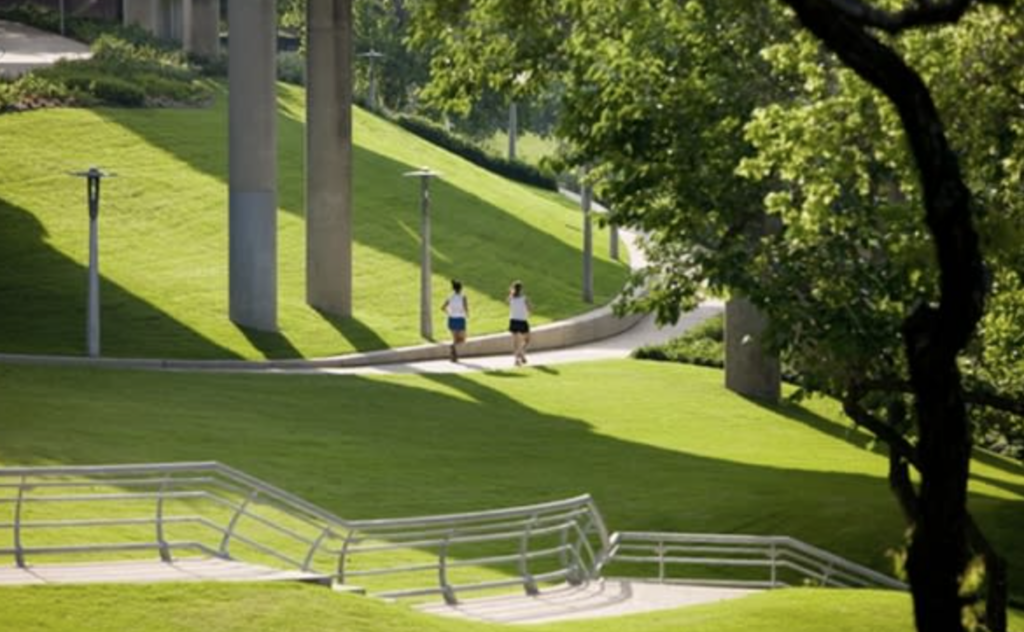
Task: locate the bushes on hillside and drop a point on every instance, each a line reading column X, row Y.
column 291, row 68
column 31, row 92
column 129, row 68
column 126, row 74
column 704, row 345
column 513, row 170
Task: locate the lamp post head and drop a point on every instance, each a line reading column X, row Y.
column 92, row 173
column 92, row 183
column 372, row 55
column 422, row 172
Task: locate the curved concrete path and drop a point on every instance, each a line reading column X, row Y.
column 24, row 48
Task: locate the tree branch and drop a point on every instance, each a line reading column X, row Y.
column 916, row 13
column 903, row 488
column 898, row 444
column 982, row 395
column 998, row 401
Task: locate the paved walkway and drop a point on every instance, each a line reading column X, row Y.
column 128, row 572
column 23, row 48
column 646, row 332
column 602, row 598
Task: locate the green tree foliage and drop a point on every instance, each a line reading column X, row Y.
column 796, row 166
column 382, row 26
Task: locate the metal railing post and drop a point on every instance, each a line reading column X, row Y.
column 343, row 555
column 773, row 554
column 828, row 572
column 230, row 531
column 529, row 584
column 161, row 541
column 571, row 572
column 442, row 572
column 308, row 562
column 19, row 552
column 661, row 561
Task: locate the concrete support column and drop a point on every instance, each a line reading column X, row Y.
column 252, row 157
column 329, row 156
column 749, row 370
column 202, row 27
column 142, row 13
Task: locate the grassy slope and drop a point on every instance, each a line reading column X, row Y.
column 530, row 147
column 287, row 608
column 661, row 447
column 163, row 236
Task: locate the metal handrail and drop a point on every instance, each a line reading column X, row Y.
column 563, row 540
column 775, row 553
column 521, row 532
column 290, row 530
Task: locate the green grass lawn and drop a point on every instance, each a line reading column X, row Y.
column 163, row 229
column 530, row 148
column 661, row 447
column 288, row 608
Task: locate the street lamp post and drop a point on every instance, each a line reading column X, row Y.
column 92, row 327
column 513, row 129
column 613, row 242
column 426, row 313
column 586, row 201
column 372, row 56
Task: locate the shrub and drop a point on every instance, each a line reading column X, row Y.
column 210, row 65
column 121, row 56
column 511, row 169
column 32, row 91
column 291, row 67
column 117, row 92
column 703, row 345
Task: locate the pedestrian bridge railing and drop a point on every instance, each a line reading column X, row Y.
column 738, row 560
column 179, row 511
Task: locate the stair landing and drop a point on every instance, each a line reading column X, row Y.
column 601, row 598
column 209, row 569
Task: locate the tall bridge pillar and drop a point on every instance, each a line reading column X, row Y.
column 252, row 157
column 329, row 156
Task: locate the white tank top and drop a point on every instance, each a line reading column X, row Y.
column 457, row 306
column 517, row 308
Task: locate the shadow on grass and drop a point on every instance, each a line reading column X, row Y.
column 374, row 448
column 998, row 462
column 472, row 239
column 272, row 344
column 43, row 301
column 1017, row 490
column 360, row 335
column 848, row 434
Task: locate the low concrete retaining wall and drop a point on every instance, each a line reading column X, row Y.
column 592, row 326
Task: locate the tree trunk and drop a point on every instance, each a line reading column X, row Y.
column 933, row 336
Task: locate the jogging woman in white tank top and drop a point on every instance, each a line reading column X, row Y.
column 518, row 321
column 456, row 307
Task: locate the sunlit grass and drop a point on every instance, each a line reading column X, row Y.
column 163, row 235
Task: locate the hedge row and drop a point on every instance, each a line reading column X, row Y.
column 129, row 68
column 511, row 169
column 703, row 345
